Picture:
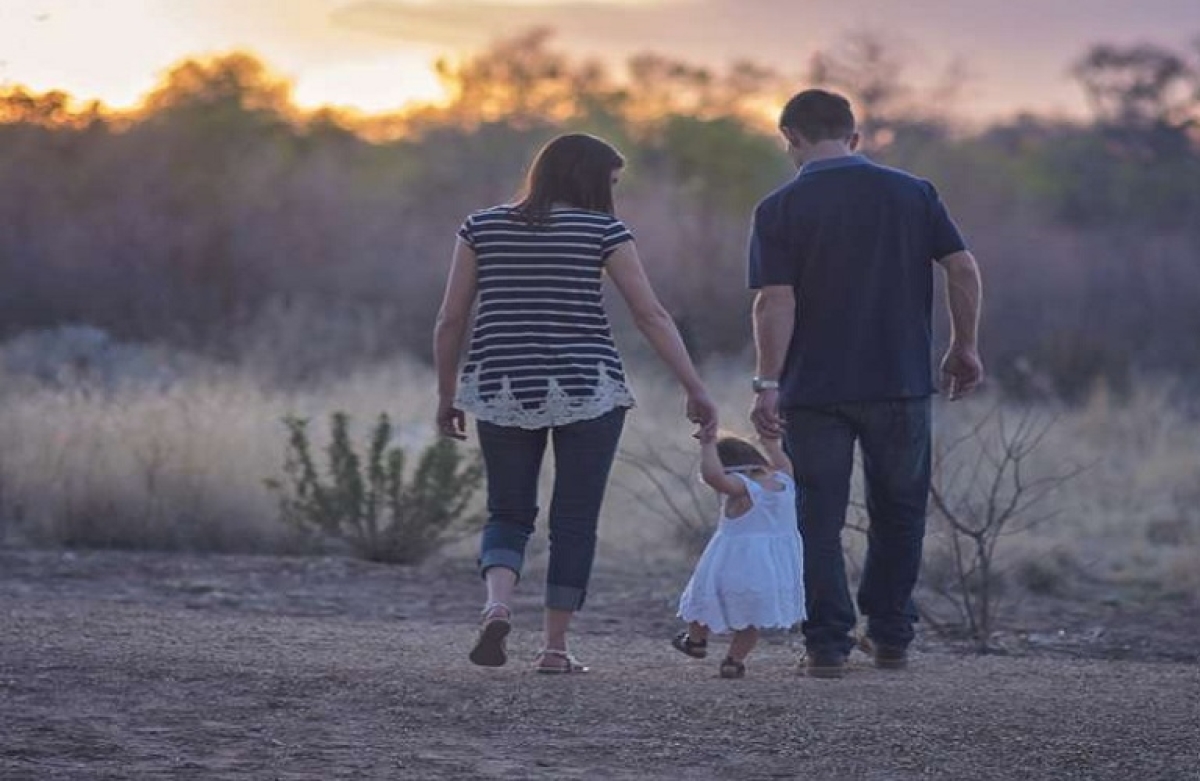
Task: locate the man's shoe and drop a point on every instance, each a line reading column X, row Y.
column 886, row 657
column 821, row 665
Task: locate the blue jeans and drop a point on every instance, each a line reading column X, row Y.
column 895, row 440
column 583, row 457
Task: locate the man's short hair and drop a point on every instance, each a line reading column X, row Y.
column 818, row 115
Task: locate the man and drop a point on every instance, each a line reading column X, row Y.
column 842, row 259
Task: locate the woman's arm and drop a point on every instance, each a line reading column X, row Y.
column 449, row 331
column 652, row 319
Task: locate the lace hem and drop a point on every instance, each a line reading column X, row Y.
column 741, row 609
column 557, row 409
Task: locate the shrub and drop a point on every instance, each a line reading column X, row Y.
column 370, row 506
column 985, row 489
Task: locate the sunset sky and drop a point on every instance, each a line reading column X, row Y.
column 377, row 54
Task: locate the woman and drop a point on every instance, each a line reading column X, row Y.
column 542, row 367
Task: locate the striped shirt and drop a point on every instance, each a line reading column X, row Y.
column 542, row 352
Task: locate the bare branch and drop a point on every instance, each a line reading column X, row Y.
column 998, row 498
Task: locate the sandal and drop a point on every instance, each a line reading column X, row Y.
column 683, row 642
column 731, row 668
column 490, row 648
column 569, row 663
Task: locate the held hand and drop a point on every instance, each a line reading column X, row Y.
column 962, row 371
column 705, row 435
column 765, row 414
column 703, row 412
column 451, row 422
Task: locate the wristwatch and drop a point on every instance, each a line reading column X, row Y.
column 760, row 385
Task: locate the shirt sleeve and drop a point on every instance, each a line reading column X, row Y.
column 772, row 261
column 945, row 238
column 466, row 231
column 616, row 233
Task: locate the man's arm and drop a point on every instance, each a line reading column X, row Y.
column 774, row 319
column 962, row 369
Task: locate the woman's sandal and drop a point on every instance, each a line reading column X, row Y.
column 490, row 648
column 566, row 663
column 731, row 668
column 683, row 642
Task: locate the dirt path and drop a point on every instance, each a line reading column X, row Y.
column 128, row 666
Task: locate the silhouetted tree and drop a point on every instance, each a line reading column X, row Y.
column 522, row 81
column 218, row 211
column 1139, row 87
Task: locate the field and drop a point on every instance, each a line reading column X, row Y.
column 185, row 278
column 149, row 450
column 218, row 653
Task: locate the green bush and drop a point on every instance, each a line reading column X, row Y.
column 371, row 506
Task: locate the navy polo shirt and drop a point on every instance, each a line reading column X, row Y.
column 855, row 240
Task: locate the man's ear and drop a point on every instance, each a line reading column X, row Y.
column 791, row 136
column 854, row 140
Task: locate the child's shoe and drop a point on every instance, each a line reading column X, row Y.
column 731, row 668
column 683, row 642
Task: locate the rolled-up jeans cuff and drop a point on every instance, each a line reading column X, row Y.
column 560, row 597
column 501, row 557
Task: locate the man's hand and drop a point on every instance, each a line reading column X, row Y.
column 765, row 414
column 962, row 371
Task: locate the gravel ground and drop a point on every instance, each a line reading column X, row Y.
column 151, row 666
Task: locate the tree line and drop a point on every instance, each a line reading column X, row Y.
column 217, row 209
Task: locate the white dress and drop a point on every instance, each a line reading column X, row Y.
column 751, row 572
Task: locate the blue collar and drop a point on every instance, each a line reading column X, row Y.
column 830, row 163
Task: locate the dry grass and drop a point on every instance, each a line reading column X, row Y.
column 1131, row 516
column 176, row 467
column 181, row 465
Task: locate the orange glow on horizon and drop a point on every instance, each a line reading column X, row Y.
column 377, row 56
column 115, row 52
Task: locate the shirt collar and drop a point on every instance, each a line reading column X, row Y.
column 830, row 163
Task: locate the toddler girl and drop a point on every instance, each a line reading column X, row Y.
column 750, row 576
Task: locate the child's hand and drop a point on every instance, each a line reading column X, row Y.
column 705, row 435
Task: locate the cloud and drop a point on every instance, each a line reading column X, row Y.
column 701, row 28
column 1017, row 51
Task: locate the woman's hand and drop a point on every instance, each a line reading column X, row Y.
column 451, row 421
column 703, row 412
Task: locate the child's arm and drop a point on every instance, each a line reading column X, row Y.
column 773, row 448
column 713, row 471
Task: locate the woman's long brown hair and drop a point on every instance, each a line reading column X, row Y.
column 575, row 169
